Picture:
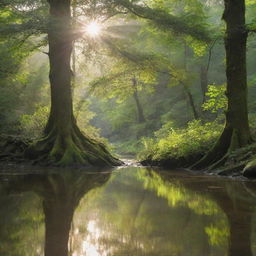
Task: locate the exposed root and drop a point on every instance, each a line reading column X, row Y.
column 75, row 149
column 218, row 164
column 12, row 147
column 218, row 151
column 249, row 170
column 229, row 141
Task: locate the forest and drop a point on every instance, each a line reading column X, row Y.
column 127, row 127
column 170, row 83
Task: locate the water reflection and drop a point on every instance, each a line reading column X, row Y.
column 133, row 219
column 236, row 199
column 59, row 195
column 133, row 211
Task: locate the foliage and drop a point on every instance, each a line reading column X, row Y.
column 84, row 116
column 217, row 100
column 171, row 143
column 161, row 43
column 32, row 125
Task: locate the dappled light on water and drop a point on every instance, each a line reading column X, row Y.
column 131, row 211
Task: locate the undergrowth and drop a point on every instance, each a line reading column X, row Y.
column 173, row 143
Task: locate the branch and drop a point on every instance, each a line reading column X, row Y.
column 167, row 21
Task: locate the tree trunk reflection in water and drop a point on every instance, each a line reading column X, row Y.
column 58, row 218
column 59, row 207
column 240, row 235
column 61, row 193
column 235, row 204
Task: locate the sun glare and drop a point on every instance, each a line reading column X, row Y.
column 93, row 29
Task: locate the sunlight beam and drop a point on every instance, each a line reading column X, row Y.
column 93, row 29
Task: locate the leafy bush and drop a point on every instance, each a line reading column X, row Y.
column 33, row 125
column 171, row 143
column 217, row 100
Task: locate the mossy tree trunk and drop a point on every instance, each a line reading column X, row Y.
column 236, row 133
column 63, row 143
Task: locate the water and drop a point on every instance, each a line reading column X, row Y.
column 131, row 211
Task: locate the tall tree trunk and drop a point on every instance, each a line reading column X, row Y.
column 64, row 144
column 60, row 49
column 236, row 133
column 203, row 81
column 191, row 101
column 74, row 14
column 186, row 88
column 140, row 113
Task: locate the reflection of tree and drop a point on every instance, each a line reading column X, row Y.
column 232, row 198
column 138, row 212
column 131, row 219
column 60, row 193
column 21, row 222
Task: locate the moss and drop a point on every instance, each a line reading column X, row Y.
column 74, row 149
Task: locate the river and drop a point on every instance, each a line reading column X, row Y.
column 127, row 211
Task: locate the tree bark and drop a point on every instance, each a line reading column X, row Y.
column 203, row 81
column 60, row 49
column 235, row 45
column 191, row 101
column 236, row 133
column 186, row 88
column 140, row 113
column 64, row 144
column 74, row 14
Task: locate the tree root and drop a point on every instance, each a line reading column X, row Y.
column 12, row 147
column 74, row 149
column 218, row 164
column 228, row 142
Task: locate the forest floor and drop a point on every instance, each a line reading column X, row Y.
column 234, row 164
column 12, row 153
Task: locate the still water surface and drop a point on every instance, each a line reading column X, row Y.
column 131, row 211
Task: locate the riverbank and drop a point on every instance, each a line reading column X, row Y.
column 237, row 163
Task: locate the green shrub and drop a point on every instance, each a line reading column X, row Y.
column 171, row 143
column 32, row 125
column 217, row 101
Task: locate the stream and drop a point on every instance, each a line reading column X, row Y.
column 127, row 211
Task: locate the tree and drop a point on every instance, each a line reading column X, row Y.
column 64, row 144
column 236, row 133
column 140, row 113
